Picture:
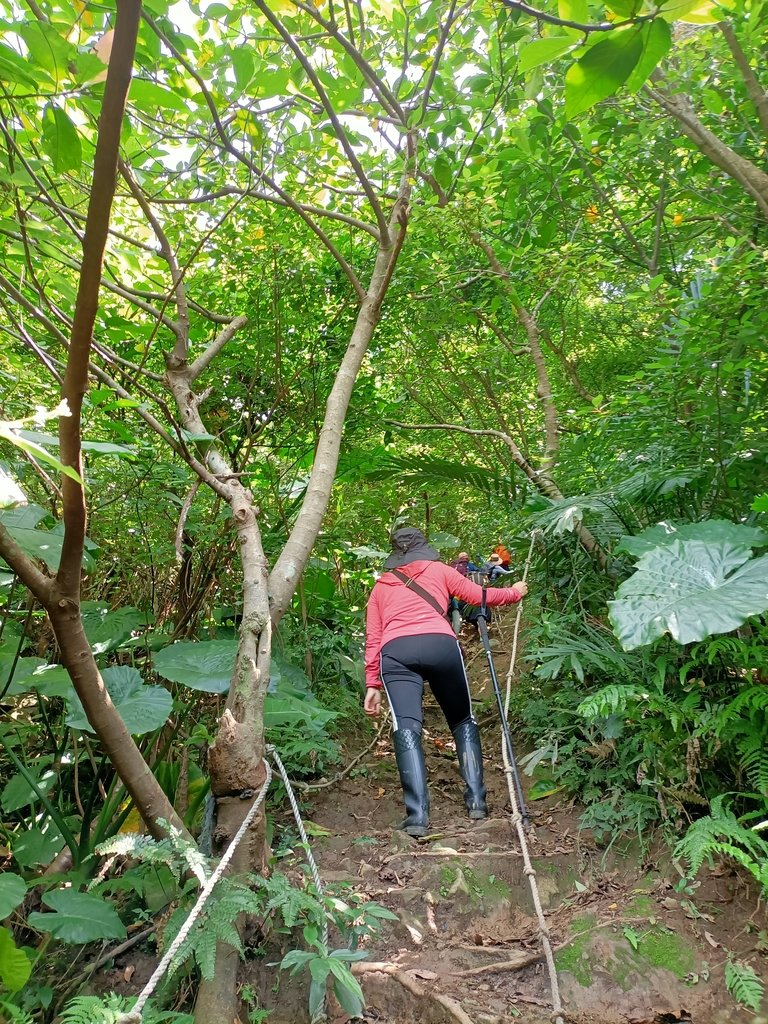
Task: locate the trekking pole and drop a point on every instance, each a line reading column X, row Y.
column 482, row 625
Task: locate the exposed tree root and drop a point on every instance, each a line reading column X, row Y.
column 453, row 1006
column 522, row 959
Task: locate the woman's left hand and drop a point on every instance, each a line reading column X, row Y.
column 372, row 705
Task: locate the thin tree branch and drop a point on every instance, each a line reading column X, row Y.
column 33, row 579
column 333, row 117
column 222, row 338
column 443, row 39
column 242, row 158
column 254, row 193
column 180, row 526
column 552, row 19
column 653, row 267
column 531, row 327
column 679, row 106
column 179, row 291
column 385, row 96
column 755, row 91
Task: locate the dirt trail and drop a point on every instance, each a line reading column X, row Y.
column 630, row 950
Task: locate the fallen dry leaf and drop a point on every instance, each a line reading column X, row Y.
column 711, row 940
column 129, row 972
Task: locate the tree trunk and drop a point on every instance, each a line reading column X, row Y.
column 61, row 596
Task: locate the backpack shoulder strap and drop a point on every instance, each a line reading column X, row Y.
column 411, row 583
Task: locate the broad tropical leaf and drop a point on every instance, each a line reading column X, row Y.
column 602, row 70
column 78, row 917
column 690, row 589
column 142, row 708
column 13, row 889
column 205, row 666
column 15, row 965
column 542, row 51
column 61, row 140
column 711, row 531
column 107, row 629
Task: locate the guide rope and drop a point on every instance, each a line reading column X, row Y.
column 518, row 807
column 303, row 833
column 133, row 1016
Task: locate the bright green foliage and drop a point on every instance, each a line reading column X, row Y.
column 691, row 589
column 744, row 984
column 321, row 965
column 142, row 708
column 174, row 851
column 15, row 965
column 12, row 892
column 107, row 630
column 204, row 666
column 643, row 267
column 91, row 1010
column 721, row 833
column 77, row 917
column 602, row 69
column 217, row 923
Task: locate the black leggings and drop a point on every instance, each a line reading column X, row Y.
column 407, row 661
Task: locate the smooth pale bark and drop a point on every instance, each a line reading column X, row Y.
column 293, row 558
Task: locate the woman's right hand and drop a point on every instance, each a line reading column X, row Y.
column 521, row 588
column 372, row 705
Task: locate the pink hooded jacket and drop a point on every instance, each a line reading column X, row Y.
column 395, row 610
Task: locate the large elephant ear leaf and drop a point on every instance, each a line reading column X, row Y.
column 142, row 708
column 689, row 589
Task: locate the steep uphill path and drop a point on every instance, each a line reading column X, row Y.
column 630, row 949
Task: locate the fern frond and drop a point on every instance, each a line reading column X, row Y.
column 753, row 753
column 722, row 834
column 743, row 984
column 14, row 1014
column 92, row 1010
column 753, row 698
column 610, row 700
column 228, row 900
column 428, row 469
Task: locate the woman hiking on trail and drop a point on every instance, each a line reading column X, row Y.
column 409, row 639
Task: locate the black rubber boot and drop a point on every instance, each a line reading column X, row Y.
column 470, row 754
column 413, row 778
